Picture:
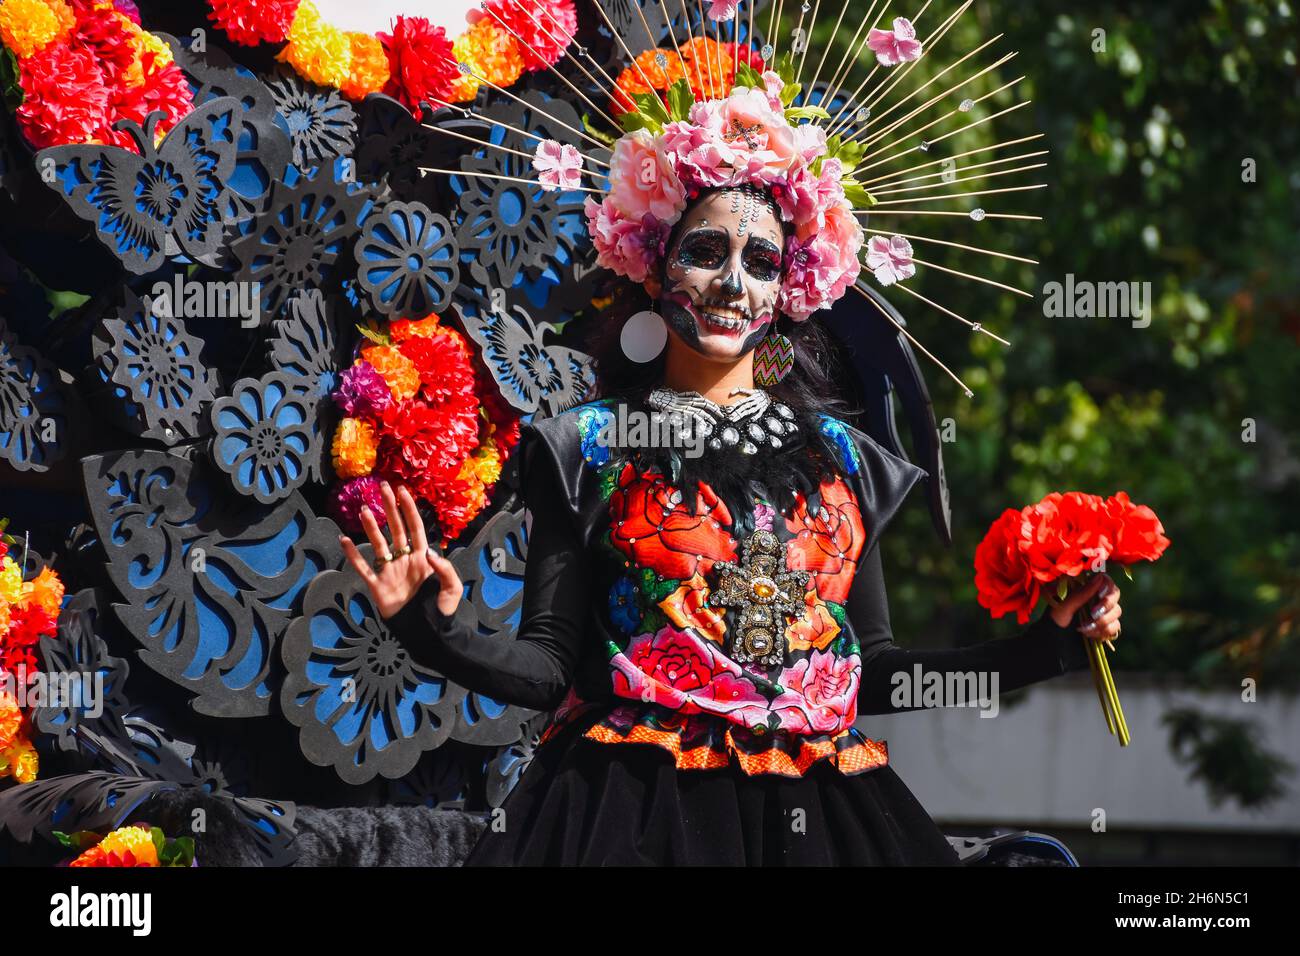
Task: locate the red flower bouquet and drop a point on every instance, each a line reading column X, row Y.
column 1059, row 542
column 418, row 414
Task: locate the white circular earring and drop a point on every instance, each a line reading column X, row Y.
column 644, row 336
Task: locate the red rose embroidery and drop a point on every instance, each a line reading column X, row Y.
column 652, row 524
column 829, row 542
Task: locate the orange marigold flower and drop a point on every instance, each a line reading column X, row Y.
column 369, row 67
column 20, row 761
column 397, row 371
column 399, row 330
column 318, row 51
column 647, row 68
column 491, row 52
column 46, row 591
column 11, row 719
column 354, row 449
column 29, row 26
column 710, row 68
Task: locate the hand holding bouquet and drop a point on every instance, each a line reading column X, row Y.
column 1057, row 546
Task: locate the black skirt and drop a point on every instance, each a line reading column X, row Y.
column 585, row 803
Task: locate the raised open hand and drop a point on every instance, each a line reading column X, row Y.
column 401, row 568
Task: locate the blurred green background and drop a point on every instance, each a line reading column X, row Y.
column 1196, row 415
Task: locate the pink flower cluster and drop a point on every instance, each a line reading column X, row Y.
column 743, row 139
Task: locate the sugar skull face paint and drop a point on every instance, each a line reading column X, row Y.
column 723, row 273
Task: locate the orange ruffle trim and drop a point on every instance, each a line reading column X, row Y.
column 860, row 755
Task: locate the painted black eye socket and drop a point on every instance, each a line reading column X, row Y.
column 703, row 250
column 763, row 261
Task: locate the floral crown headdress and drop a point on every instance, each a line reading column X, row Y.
column 719, row 111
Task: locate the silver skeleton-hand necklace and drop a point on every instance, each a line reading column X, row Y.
column 754, row 422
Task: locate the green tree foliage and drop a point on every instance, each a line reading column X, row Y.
column 1156, row 114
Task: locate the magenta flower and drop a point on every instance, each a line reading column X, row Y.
column 558, row 165
column 630, row 247
column 349, row 497
column 895, row 46
column 362, row 392
column 890, row 260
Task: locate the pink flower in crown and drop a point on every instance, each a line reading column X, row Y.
column 643, row 179
column 821, row 694
column 895, row 46
column 772, row 86
column 764, row 143
column 810, row 140
column 822, row 263
column 630, row 247
column 701, row 158
column 557, row 164
column 890, row 260
column 805, row 197
column 723, row 9
column 763, row 515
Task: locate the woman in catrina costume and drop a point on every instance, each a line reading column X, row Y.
column 704, row 609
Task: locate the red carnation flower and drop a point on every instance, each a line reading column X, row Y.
column 1064, row 534
column 420, row 444
column 64, row 97
column 543, row 25
column 163, row 89
column 1136, row 533
column 443, row 362
column 1003, row 581
column 105, row 34
column 251, row 22
column 420, row 62
column 744, row 53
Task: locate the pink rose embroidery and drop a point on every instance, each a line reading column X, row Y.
column 821, row 694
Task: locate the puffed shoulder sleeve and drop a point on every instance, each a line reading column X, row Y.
column 881, row 480
column 561, row 455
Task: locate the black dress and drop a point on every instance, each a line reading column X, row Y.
column 685, row 777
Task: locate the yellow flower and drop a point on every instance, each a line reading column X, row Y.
column 487, row 463
column 146, row 43
column 354, row 448
column 399, row 372
column 318, row 51
column 369, row 70
column 20, row 761
column 11, row 581
column 136, row 839
column 46, row 590
column 29, row 26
